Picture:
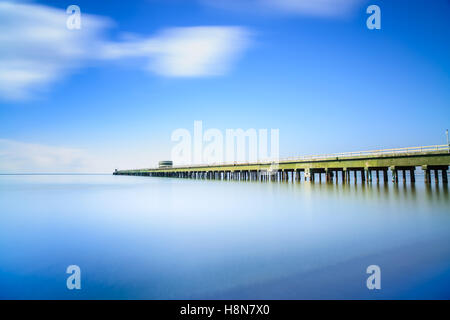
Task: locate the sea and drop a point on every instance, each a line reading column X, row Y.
column 167, row 238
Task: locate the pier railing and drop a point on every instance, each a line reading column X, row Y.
column 380, row 152
column 372, row 153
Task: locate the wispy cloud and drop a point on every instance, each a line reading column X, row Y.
column 24, row 157
column 38, row 49
column 185, row 52
column 20, row 157
column 319, row 8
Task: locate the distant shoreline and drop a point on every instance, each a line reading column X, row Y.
column 53, row 174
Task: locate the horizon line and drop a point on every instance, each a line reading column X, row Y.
column 52, row 173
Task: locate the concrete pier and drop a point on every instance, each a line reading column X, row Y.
column 433, row 160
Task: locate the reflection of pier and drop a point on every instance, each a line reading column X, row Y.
column 366, row 166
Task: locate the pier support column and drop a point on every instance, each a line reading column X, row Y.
column 328, row 175
column 404, row 176
column 377, row 173
column 436, row 176
column 394, row 174
column 444, row 176
column 368, row 174
column 363, row 176
column 385, row 176
column 312, row 175
column 427, row 175
column 412, row 176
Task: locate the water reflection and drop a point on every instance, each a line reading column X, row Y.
column 406, row 191
column 160, row 238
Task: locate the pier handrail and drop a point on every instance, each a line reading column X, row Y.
column 379, row 152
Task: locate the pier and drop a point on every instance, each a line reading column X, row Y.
column 365, row 166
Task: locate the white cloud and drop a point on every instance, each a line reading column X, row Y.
column 37, row 48
column 23, row 157
column 185, row 52
column 320, row 8
column 20, row 157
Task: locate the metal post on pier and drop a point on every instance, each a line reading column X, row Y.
column 448, row 144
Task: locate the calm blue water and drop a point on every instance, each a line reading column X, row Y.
column 159, row 238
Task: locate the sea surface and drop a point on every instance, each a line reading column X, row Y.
column 164, row 238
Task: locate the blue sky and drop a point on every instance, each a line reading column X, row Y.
column 111, row 95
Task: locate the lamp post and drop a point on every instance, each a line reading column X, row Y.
column 448, row 144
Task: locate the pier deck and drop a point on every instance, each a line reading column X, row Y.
column 363, row 165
